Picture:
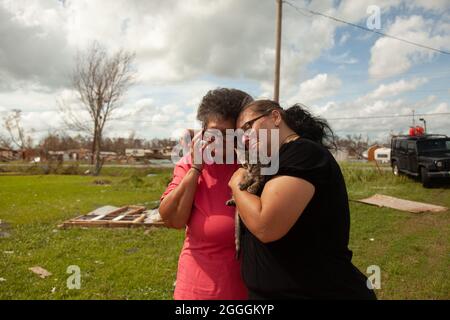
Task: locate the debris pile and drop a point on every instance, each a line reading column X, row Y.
column 381, row 200
column 41, row 272
column 117, row 217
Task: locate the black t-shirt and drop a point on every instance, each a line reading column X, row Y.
column 312, row 260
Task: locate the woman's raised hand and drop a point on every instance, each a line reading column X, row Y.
column 197, row 147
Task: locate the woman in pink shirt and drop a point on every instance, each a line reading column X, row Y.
column 195, row 200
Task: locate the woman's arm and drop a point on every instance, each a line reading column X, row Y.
column 282, row 202
column 175, row 208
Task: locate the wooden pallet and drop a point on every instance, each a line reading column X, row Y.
column 124, row 217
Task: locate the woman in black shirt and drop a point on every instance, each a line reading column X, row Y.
column 295, row 233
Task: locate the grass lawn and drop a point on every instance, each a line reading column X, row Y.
column 412, row 250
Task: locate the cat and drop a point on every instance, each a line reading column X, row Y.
column 252, row 182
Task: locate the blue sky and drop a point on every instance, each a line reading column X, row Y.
column 185, row 48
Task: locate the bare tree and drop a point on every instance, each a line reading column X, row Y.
column 355, row 145
column 17, row 134
column 100, row 81
column 5, row 142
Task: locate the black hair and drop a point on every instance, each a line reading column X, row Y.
column 300, row 120
column 223, row 103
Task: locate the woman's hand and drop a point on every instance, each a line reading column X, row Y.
column 237, row 177
column 197, row 147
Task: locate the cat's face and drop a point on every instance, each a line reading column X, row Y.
column 243, row 158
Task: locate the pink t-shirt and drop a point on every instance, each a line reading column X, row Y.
column 207, row 267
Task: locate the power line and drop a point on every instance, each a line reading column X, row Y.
column 390, row 116
column 298, row 9
column 433, row 73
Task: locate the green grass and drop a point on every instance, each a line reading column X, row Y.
column 412, row 250
column 115, row 263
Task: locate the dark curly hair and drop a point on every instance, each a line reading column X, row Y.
column 223, row 103
column 300, row 120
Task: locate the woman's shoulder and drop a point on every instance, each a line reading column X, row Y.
column 303, row 149
column 304, row 143
column 306, row 159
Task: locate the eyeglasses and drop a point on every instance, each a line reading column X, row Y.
column 249, row 124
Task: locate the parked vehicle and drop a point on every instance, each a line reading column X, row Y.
column 424, row 156
column 382, row 155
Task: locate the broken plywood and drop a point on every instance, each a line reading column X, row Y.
column 381, row 200
column 115, row 217
column 41, row 272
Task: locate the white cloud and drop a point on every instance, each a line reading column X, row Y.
column 319, row 87
column 390, row 57
column 395, row 88
column 343, row 58
column 174, row 41
column 357, row 115
column 354, row 11
column 344, row 38
column 441, row 108
column 33, row 45
column 434, row 5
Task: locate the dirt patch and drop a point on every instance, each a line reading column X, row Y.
column 101, row 182
column 4, row 228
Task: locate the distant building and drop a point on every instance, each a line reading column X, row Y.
column 371, row 152
column 143, row 154
column 58, row 156
column 32, row 154
column 8, row 154
column 167, row 151
column 108, row 156
column 135, row 153
column 79, row 154
column 156, row 151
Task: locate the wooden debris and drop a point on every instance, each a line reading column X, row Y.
column 41, row 272
column 401, row 204
column 114, row 217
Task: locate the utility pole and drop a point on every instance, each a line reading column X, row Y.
column 276, row 91
column 424, row 124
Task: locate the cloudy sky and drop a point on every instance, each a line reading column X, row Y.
column 186, row 47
